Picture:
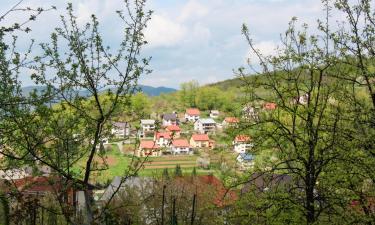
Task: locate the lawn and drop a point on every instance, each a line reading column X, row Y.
column 118, row 164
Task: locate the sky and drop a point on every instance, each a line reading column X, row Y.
column 188, row 39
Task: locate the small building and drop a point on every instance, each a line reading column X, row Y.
column 147, row 126
column 148, row 148
column 163, row 139
column 269, row 106
column 180, row 147
column 230, row 122
column 201, row 141
column 245, row 161
column 175, row 130
column 214, row 114
column 205, row 126
column 250, row 112
column 120, row 129
column 301, row 99
column 169, row 119
column 242, row 144
column 192, row 114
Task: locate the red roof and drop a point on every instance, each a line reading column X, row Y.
column 165, row 135
column 242, row 138
column 193, row 112
column 180, row 143
column 146, row 144
column 270, row 106
column 200, row 137
column 173, row 128
column 231, row 120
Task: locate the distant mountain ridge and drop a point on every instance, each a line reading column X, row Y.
column 148, row 90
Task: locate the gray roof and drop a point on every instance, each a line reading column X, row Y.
column 169, row 116
column 151, row 122
column 117, row 181
column 206, row 120
column 120, row 125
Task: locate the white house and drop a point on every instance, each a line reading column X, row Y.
column 120, row 129
column 205, row 126
column 169, row 119
column 163, row 139
column 301, row 99
column 147, row 126
column 242, row 144
column 250, row 112
column 192, row 114
column 214, row 114
column 245, row 161
column 180, row 147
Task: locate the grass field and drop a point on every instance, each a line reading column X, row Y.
column 118, row 164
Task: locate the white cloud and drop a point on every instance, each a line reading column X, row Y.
column 164, row 32
column 265, row 48
column 193, row 10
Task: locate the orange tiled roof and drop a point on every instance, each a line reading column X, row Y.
column 146, row 144
column 173, row 128
column 231, row 120
column 200, row 137
column 242, row 138
column 193, row 112
column 180, row 143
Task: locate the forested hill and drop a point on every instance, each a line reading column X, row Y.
column 148, row 90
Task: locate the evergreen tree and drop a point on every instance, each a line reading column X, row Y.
column 165, row 173
column 178, row 171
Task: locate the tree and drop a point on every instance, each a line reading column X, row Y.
column 188, row 93
column 165, row 173
column 178, row 171
column 307, row 130
column 59, row 127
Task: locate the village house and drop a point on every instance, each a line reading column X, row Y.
column 269, row 106
column 120, row 129
column 250, row 112
column 230, row 122
column 147, row 126
column 301, row 99
column 214, row 114
column 148, row 148
column 163, row 139
column 180, row 147
column 241, row 144
column 174, row 130
column 39, row 186
column 245, row 161
column 192, row 114
column 205, row 126
column 201, row 141
column 169, row 119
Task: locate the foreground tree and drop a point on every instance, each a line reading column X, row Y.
column 64, row 125
column 304, row 121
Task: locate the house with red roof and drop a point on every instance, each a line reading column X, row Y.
column 40, row 186
column 230, row 121
column 242, row 144
column 269, row 106
column 201, row 141
column 148, row 148
column 174, row 130
column 163, row 139
column 180, row 147
column 192, row 114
